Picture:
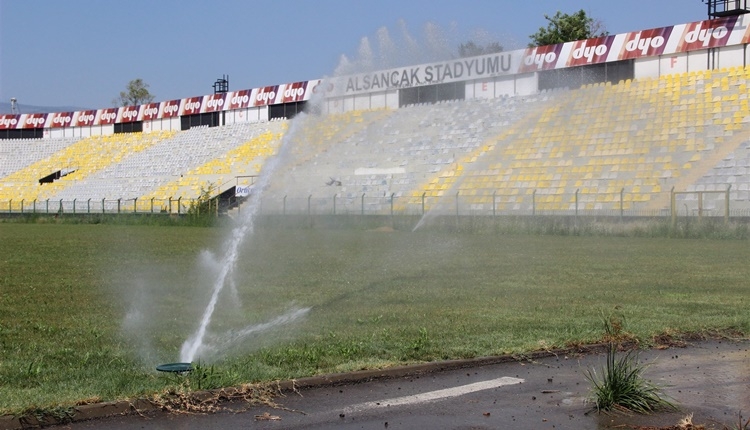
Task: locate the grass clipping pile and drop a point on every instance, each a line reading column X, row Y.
column 184, row 400
column 687, row 424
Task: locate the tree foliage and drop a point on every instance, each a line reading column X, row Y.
column 563, row 28
column 471, row 49
column 136, row 93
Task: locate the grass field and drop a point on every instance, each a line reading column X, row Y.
column 88, row 311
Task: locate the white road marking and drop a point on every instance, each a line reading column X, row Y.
column 435, row 395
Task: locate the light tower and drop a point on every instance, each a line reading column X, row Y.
column 722, row 8
column 221, row 85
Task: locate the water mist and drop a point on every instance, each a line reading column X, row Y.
column 196, row 343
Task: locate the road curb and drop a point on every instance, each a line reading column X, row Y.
column 141, row 406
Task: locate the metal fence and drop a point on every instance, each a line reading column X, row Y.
column 618, row 204
column 97, row 206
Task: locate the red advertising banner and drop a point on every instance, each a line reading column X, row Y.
column 591, row 51
column 170, row 109
column 294, row 92
column 706, row 34
column 62, row 119
column 239, row 99
column 214, row 102
column 645, row 43
column 150, row 111
column 128, row 114
column 33, row 120
column 106, row 116
column 540, row 58
column 9, row 121
column 265, row 95
column 84, row 118
column 191, row 105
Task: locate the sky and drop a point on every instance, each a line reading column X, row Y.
column 82, row 53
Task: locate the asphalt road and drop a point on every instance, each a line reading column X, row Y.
column 709, row 379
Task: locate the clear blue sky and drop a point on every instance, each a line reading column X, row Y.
column 82, row 53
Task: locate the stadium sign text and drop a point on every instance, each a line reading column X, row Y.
column 432, row 73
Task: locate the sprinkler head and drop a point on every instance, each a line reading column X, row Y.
column 175, row 367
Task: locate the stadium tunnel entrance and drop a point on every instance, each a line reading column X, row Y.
column 129, row 127
column 22, row 133
column 209, row 119
column 286, row 110
column 431, row 94
column 576, row 77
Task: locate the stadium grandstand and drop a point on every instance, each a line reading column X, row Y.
column 653, row 122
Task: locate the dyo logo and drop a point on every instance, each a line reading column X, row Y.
column 540, row 59
column 130, row 114
column 215, row 103
column 266, row 97
column 645, row 44
column 170, row 109
column 239, row 100
column 85, row 119
column 588, row 52
column 108, row 116
column 705, row 35
column 6, row 122
column 294, row 92
column 35, row 121
column 192, row 106
column 151, row 112
column 61, row 120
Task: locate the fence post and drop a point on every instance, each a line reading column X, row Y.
column 622, row 207
column 102, row 205
column 47, row 206
column 119, row 202
column 34, row 210
column 700, row 205
column 672, row 207
column 363, row 204
column 88, row 206
column 135, row 204
column 170, row 205
column 334, row 204
column 152, row 205
column 533, row 203
column 10, row 206
column 457, row 192
column 60, row 210
column 726, row 205
column 423, row 195
column 74, row 206
column 494, row 206
column 22, row 205
column 392, row 196
column 308, row 204
column 576, row 215
column 179, row 205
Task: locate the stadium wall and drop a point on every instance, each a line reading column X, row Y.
column 702, row 45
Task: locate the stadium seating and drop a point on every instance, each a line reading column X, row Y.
column 603, row 148
column 76, row 162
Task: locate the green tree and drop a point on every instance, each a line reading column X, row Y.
column 471, row 49
column 136, row 93
column 563, row 28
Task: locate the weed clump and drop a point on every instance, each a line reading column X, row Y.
column 621, row 385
